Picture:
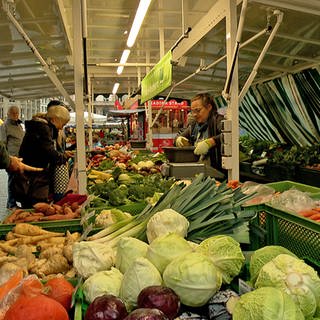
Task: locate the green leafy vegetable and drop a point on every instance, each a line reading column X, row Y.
column 266, row 304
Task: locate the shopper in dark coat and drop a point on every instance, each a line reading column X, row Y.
column 11, row 133
column 38, row 149
column 205, row 133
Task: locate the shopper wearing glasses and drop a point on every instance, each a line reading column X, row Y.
column 205, row 133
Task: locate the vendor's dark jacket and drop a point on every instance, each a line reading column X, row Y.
column 214, row 125
column 38, row 149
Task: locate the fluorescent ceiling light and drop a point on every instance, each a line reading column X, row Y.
column 115, row 87
column 119, row 70
column 123, row 60
column 137, row 22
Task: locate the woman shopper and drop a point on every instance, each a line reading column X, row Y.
column 59, row 172
column 38, row 149
column 205, row 132
column 11, row 134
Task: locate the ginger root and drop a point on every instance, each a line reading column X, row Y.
column 55, row 264
column 51, row 251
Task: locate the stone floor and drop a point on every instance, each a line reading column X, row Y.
column 3, row 194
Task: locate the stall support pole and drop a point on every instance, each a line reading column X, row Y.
column 90, row 102
column 78, row 82
column 233, row 108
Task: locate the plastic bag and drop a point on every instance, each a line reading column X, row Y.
column 293, row 200
column 262, row 193
column 29, row 285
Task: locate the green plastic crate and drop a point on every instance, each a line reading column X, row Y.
column 287, row 185
column 298, row 234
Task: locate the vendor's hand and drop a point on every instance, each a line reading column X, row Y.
column 182, row 142
column 203, row 147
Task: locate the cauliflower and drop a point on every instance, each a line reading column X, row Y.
column 108, row 217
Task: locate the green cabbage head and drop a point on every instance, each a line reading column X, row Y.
column 261, row 256
column 128, row 250
column 102, row 282
column 296, row 278
column 164, row 249
column 166, row 221
column 141, row 274
column 266, row 304
column 193, row 277
column 225, row 254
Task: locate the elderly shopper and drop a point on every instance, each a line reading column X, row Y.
column 11, row 134
column 38, row 149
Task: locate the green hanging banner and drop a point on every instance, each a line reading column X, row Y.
column 158, row 79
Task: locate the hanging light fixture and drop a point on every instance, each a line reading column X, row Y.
column 123, row 60
column 137, row 22
column 115, row 88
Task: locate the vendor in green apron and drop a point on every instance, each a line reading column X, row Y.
column 205, row 132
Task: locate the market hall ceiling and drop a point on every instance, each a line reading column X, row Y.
column 48, row 24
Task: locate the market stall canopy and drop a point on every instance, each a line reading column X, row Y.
column 96, row 118
column 49, row 25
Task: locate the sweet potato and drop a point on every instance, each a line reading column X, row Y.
column 41, row 206
column 12, row 217
column 74, row 206
column 50, row 211
column 59, row 209
column 67, row 210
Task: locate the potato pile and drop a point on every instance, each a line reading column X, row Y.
column 45, row 212
column 36, row 251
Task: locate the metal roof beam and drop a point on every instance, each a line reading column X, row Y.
column 284, row 55
column 309, row 6
column 207, row 23
column 36, row 40
column 288, row 37
column 65, row 26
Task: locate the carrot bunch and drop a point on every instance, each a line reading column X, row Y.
column 233, row 184
column 313, row 214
